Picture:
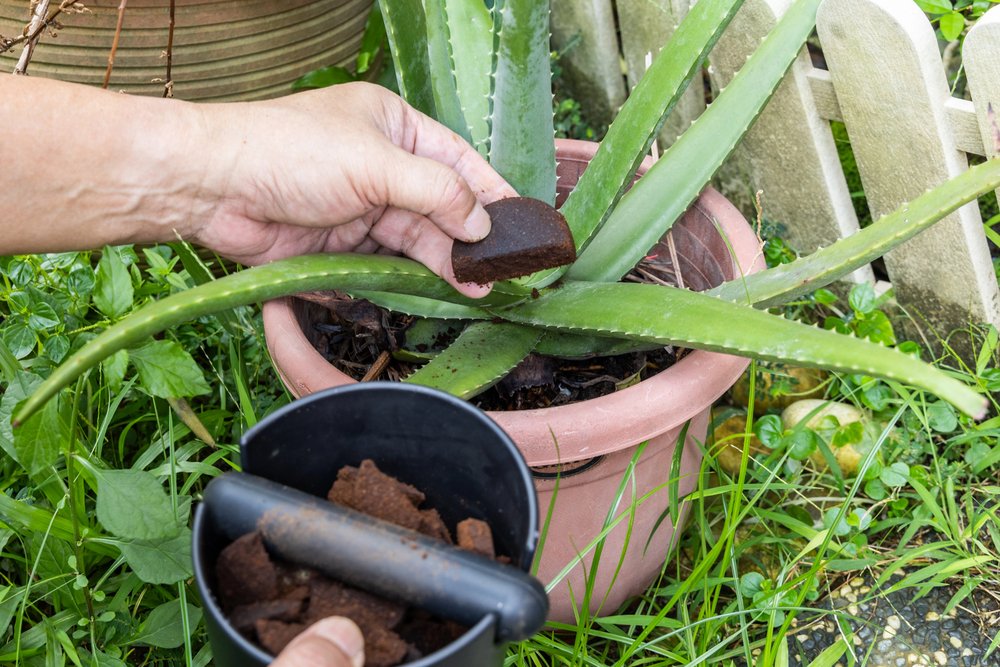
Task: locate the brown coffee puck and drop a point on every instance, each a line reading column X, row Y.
column 527, row 236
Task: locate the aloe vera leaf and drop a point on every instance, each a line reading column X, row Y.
column 660, row 197
column 478, row 359
column 449, row 109
column 558, row 344
column 406, row 30
column 522, row 147
column 470, row 45
column 427, row 333
column 672, row 316
column 422, row 307
column 791, row 281
column 298, row 274
column 639, row 122
column 584, row 346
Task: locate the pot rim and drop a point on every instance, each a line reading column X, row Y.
column 638, row 413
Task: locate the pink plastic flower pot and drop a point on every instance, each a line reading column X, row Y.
column 605, row 431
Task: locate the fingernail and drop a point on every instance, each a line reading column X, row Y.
column 478, row 223
column 346, row 636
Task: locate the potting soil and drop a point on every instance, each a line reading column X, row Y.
column 270, row 601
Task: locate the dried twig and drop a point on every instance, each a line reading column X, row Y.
column 377, row 368
column 35, row 27
column 31, row 33
column 114, row 45
column 168, row 87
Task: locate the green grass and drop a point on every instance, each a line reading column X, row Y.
column 760, row 543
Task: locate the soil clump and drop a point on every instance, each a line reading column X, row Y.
column 270, row 601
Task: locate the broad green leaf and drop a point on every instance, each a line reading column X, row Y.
column 306, row 273
column 113, row 289
column 165, row 560
column 941, row 418
column 21, row 387
column 470, row 43
column 830, row 517
column 639, row 122
column 895, row 474
column 322, row 78
column 167, row 370
column 406, row 28
column 449, row 108
column 56, row 347
column 81, row 280
column 114, row 369
column 662, row 195
column 862, row 297
column 478, row 359
column 522, row 141
column 582, row 346
column 164, row 627
column 42, row 316
column 132, row 504
column 769, row 430
column 681, row 317
column 751, row 584
column 802, row 444
column 796, row 279
column 19, row 339
column 935, row 6
column 9, row 365
column 38, row 441
column 952, row 25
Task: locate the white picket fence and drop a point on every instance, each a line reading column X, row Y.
column 886, row 82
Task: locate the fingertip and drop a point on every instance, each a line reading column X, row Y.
column 345, row 635
column 474, row 290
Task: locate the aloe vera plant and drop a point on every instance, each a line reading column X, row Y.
column 484, row 72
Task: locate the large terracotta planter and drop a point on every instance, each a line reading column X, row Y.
column 606, row 430
column 223, row 50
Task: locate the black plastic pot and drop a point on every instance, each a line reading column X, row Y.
column 464, row 463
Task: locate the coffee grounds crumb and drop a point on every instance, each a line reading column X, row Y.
column 276, row 635
column 272, row 602
column 475, row 536
column 245, row 572
column 244, row 618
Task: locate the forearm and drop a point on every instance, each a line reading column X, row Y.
column 82, row 167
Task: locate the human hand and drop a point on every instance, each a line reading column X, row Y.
column 351, row 168
column 332, row 642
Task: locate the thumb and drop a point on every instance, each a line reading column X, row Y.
column 332, row 642
column 434, row 190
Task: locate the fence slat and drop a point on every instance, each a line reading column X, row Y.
column 645, row 27
column 981, row 56
column 789, row 153
column 594, row 78
column 893, row 94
